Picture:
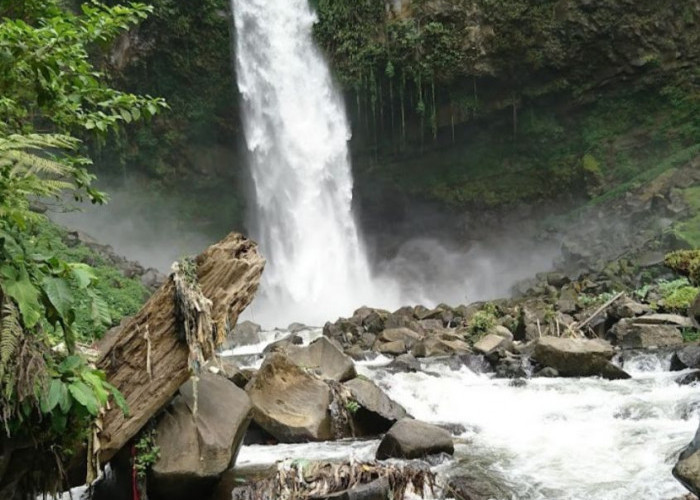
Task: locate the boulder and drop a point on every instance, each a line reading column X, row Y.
column 289, row 403
column 431, row 325
column 468, row 485
column 491, row 343
column 687, row 469
column 631, row 334
column 501, row 331
column 430, row 347
column 245, row 333
column 283, row 344
column 196, row 450
column 377, row 412
column 573, row 357
column 297, row 327
column 405, row 363
column 411, row 439
column 392, row 348
column 664, row 319
column 407, row 336
column 625, row 307
column 375, row 321
column 688, row 357
column 325, row 359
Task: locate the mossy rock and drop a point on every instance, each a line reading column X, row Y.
column 686, row 263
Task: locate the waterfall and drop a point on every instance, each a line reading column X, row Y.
column 296, row 132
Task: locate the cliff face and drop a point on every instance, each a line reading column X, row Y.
column 466, row 103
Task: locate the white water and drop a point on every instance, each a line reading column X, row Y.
column 553, row 439
column 296, row 133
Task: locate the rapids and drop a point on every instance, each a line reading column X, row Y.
column 553, row 439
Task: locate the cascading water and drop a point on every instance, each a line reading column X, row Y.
column 296, row 133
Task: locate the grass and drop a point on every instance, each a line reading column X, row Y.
column 689, row 230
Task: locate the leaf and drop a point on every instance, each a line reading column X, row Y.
column 51, row 399
column 97, row 384
column 136, row 113
column 70, row 364
column 82, row 273
column 118, row 398
column 64, row 400
column 26, row 295
column 59, row 295
column 90, row 124
column 84, row 396
column 99, row 310
column 126, row 115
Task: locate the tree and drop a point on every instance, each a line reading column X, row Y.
column 52, row 95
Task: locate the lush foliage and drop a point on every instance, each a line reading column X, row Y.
column 49, row 83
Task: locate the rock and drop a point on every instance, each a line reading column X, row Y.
column 557, row 280
column 629, row 334
column 476, row 486
column 227, row 368
column 356, row 352
column 456, row 346
column 379, row 489
column 396, row 321
column 392, row 348
column 664, row 319
column 409, row 337
column 283, row 344
column 694, row 312
column 195, row 451
column 244, row 333
column 410, row 439
column 501, row 331
column 687, row 469
column 547, row 372
column 491, row 343
column 431, row 325
column 509, row 365
column 377, row 412
column 344, row 331
column 568, row 301
column 430, row 347
column 688, row 357
column 289, row 403
column 625, row 307
column 404, row 363
column 577, row 357
column 297, row 327
column 325, row 359
column 375, row 321
column 367, row 340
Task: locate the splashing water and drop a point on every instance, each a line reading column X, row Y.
column 296, row 133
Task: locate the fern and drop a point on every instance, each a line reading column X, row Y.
column 10, row 334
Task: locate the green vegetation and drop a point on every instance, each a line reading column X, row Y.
column 686, row 263
column 50, row 396
column 482, row 321
column 352, row 406
column 689, row 230
column 690, row 335
column 147, row 453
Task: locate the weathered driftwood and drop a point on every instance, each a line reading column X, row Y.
column 147, row 359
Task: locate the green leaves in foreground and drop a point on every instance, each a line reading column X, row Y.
column 80, row 390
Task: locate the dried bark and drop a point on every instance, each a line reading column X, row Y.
column 228, row 274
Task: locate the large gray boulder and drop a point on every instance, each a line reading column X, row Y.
column 635, row 334
column 573, row 357
column 196, row 449
column 289, row 403
column 410, row 439
column 324, row 359
column 377, row 412
column 245, row 333
column 687, row 357
column 687, row 469
column 491, row 343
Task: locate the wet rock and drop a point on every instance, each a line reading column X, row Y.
column 356, row 352
column 630, row 334
column 196, row 450
column 377, row 412
column 687, row 357
column 297, row 327
column 392, row 348
column 227, row 368
column 687, row 469
column 289, row 403
column 472, row 486
column 410, row 439
column 625, row 307
column 492, row 343
column 430, row 347
column 283, row 344
column 375, row 321
column 510, row 365
column 367, row 340
column 244, row 333
column 547, row 372
column 573, row 357
column 325, row 359
column 404, row 363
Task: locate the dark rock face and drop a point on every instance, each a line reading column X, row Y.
column 687, row 469
column 289, row 403
column 410, row 439
column 377, row 412
column 688, row 357
column 196, row 450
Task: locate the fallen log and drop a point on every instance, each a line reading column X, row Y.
column 148, row 359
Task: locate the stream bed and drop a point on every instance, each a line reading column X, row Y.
column 543, row 438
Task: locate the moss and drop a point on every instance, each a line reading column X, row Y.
column 124, row 296
column 680, row 299
column 686, row 263
column 480, row 323
column 689, row 229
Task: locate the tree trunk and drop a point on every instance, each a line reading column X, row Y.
column 228, row 274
